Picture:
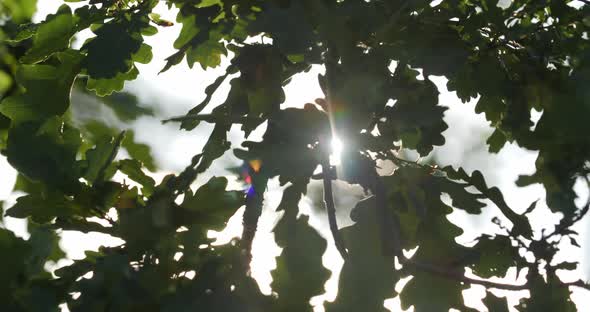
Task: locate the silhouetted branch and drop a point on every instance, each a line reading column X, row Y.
column 330, row 207
column 460, row 277
column 331, row 60
column 212, row 118
column 562, row 226
column 254, row 202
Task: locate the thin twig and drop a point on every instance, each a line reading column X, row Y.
column 116, row 144
column 458, row 276
column 563, row 226
column 400, row 161
column 212, row 118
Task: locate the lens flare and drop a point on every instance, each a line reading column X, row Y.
column 255, row 164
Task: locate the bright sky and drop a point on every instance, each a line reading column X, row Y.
column 174, row 92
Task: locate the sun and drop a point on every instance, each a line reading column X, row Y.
column 336, row 151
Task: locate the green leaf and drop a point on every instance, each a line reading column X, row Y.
column 416, row 198
column 216, row 146
column 45, row 247
column 496, row 304
column 367, row 277
column 493, row 108
column 263, row 100
column 284, row 24
column 189, row 30
column 20, row 11
column 496, row 141
column 52, row 36
column 5, row 82
column 126, row 106
column 416, row 118
column 47, row 89
column 495, row 256
column 11, row 268
column 111, row 52
column 132, row 168
column 442, row 293
column 209, row 91
column 299, row 274
column 207, row 54
column 144, row 55
column 139, row 151
column 520, row 222
column 172, row 60
column 211, row 205
column 284, row 152
column 200, row 37
column 46, row 153
column 460, row 197
column 42, row 208
column 206, row 3
column 547, row 296
column 101, row 156
column 107, row 86
column 567, row 266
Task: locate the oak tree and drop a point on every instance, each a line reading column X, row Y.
column 512, row 57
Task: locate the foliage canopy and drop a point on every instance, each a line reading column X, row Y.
column 511, row 58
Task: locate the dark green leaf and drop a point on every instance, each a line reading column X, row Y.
column 299, row 275
column 43, row 208
column 132, row 168
column 46, row 153
column 47, row 89
column 495, row 256
column 99, row 158
column 211, row 205
column 126, row 106
column 104, row 61
column 493, row 303
column 367, row 277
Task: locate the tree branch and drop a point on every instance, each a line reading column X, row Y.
column 460, row 277
column 331, row 61
column 254, row 203
column 402, row 162
column 579, row 283
column 568, row 223
column 329, row 201
column 212, row 118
